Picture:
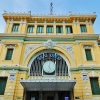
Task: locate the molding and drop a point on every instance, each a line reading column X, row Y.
column 7, row 67
column 89, row 68
column 54, row 17
column 72, row 37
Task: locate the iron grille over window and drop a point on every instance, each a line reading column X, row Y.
column 61, row 68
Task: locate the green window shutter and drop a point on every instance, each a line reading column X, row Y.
column 83, row 28
column 40, row 29
column 59, row 29
column 69, row 29
column 49, row 29
column 88, row 54
column 15, row 28
column 95, row 86
column 3, row 81
column 9, row 54
column 30, row 29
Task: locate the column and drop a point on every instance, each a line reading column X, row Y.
column 35, row 27
column 74, row 27
column 10, row 26
column 90, row 27
column 64, row 29
column 56, row 95
column 78, row 27
column 45, row 27
column 20, row 27
column 40, row 95
column 7, row 26
column 54, row 25
column 24, row 27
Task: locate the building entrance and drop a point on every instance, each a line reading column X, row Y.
column 48, row 95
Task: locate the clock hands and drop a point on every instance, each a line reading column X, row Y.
column 49, row 66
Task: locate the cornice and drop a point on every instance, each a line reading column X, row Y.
column 67, row 17
column 19, row 68
column 85, row 68
column 71, row 37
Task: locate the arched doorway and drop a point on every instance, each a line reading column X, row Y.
column 48, row 77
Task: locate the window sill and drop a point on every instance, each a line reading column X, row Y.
column 7, row 60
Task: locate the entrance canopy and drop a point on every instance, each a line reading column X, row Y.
column 48, row 85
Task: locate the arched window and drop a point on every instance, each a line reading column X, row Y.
column 48, row 63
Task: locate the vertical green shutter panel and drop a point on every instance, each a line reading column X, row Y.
column 2, row 85
column 49, row 29
column 15, row 28
column 69, row 29
column 9, row 54
column 95, row 86
column 40, row 29
column 83, row 28
column 88, row 54
column 59, row 29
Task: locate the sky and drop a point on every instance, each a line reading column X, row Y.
column 60, row 7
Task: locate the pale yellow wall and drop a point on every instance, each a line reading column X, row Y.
column 78, row 48
column 79, row 58
column 24, row 24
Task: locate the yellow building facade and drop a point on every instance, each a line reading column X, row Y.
column 49, row 57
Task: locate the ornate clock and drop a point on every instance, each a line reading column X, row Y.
column 49, row 67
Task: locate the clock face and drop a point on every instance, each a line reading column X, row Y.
column 49, row 67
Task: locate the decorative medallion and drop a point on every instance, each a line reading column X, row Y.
column 49, row 44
